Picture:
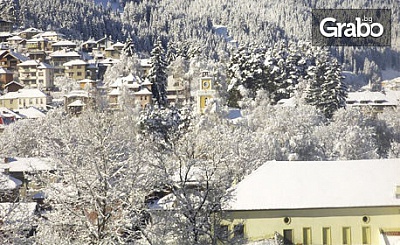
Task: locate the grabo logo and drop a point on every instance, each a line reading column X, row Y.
column 351, row 27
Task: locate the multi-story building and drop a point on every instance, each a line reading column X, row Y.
column 35, row 74
column 75, row 69
column 37, row 44
column 58, row 58
column 63, row 44
column 24, row 98
column 29, row 33
column 10, row 59
column 52, row 36
column 15, row 41
column 319, row 202
column 114, row 51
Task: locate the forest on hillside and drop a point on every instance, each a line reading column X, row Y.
column 143, row 21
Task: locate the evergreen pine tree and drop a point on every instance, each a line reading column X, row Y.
column 326, row 92
column 158, row 75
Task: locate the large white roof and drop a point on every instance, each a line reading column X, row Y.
column 63, row 53
column 75, row 62
column 24, row 93
column 63, row 43
column 318, row 184
column 368, row 97
column 31, row 113
column 28, row 165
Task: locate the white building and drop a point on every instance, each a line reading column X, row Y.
column 24, row 98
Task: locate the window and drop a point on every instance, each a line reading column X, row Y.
column 238, row 231
column 41, row 74
column 346, row 231
column 288, row 237
column 11, row 101
column 79, row 73
column 223, row 232
column 307, row 236
column 366, row 235
column 326, row 236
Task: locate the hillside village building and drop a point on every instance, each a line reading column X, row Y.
column 35, row 74
column 24, row 98
column 331, row 202
column 75, row 69
column 59, row 58
column 10, row 59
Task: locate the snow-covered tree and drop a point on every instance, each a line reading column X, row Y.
column 157, row 74
column 326, row 90
column 98, row 191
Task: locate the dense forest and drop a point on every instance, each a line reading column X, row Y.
column 257, row 22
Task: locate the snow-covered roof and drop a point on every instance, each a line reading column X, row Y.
column 118, row 44
column 29, row 63
column 368, row 98
column 15, row 82
column 49, row 34
column 15, row 38
column 145, row 62
column 76, row 62
column 318, row 184
column 17, row 212
column 18, row 56
column 77, row 93
column 5, row 34
column 64, row 43
column 8, row 182
column 109, row 61
column 31, row 164
column 89, row 42
column 63, row 53
column 43, row 65
column 115, row 92
column 110, row 48
column 31, row 29
column 6, row 111
column 24, row 93
column 76, row 103
column 31, row 113
column 146, row 82
column 143, row 91
column 5, row 71
column 393, row 96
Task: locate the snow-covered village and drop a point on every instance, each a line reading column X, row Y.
column 195, row 122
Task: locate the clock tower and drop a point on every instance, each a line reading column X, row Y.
column 206, row 91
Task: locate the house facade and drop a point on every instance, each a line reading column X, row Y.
column 59, row 58
column 337, row 202
column 24, row 98
column 75, row 69
column 35, row 74
column 10, row 59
